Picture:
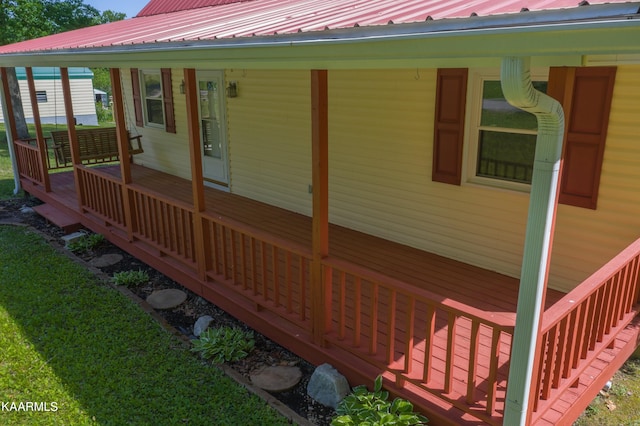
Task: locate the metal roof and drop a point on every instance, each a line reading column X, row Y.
column 155, row 7
column 254, row 18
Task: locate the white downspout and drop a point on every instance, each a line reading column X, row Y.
column 12, row 154
column 518, row 90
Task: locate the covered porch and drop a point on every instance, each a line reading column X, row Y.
column 439, row 330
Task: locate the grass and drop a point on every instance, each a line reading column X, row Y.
column 70, row 340
column 620, row 406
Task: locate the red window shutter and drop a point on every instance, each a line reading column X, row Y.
column 137, row 99
column 586, row 98
column 448, row 138
column 167, row 96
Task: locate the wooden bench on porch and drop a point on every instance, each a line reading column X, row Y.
column 97, row 145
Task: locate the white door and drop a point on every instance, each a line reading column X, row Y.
column 212, row 128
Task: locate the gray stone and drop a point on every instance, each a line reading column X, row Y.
column 327, row 386
column 278, row 378
column 103, row 261
column 166, row 299
column 201, row 325
column 68, row 239
column 26, row 210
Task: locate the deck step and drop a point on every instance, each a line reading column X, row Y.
column 63, row 220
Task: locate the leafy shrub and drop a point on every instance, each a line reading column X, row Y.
column 362, row 407
column 130, row 278
column 86, row 243
column 224, row 344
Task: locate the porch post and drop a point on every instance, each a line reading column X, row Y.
column 123, row 148
column 73, row 137
column 518, row 90
column 42, row 145
column 10, row 127
column 320, row 284
column 197, row 181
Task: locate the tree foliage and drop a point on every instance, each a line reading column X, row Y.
column 26, row 19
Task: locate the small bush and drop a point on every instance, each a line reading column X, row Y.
column 86, row 243
column 224, row 344
column 372, row 408
column 130, row 278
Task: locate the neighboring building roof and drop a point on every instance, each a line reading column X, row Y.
column 227, row 19
column 53, row 73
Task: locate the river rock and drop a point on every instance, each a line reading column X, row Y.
column 166, row 299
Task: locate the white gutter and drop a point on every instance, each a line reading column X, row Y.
column 518, row 90
column 12, row 154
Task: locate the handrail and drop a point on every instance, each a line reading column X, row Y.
column 585, row 320
column 575, row 297
column 504, row 323
column 252, row 231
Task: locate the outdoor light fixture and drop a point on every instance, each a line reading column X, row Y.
column 232, row 89
column 182, row 88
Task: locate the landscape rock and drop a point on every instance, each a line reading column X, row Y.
column 105, row 260
column 26, row 210
column 166, row 299
column 201, row 325
column 278, row 378
column 327, row 386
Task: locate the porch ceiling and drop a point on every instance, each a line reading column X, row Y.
column 288, row 35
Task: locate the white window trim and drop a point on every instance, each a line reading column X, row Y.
column 143, row 97
column 472, row 123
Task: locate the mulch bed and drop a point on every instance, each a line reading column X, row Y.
column 182, row 318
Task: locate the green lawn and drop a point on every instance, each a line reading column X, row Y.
column 94, row 357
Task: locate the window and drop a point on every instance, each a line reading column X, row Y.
column 41, row 96
column 152, row 96
column 502, row 138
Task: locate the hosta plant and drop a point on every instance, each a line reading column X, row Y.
column 224, row 344
column 366, row 408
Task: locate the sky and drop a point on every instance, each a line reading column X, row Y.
column 130, row 7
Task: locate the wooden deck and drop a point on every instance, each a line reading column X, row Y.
column 421, row 320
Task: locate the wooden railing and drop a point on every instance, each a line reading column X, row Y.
column 586, row 321
column 271, row 271
column 29, row 164
column 447, row 348
column 164, row 222
column 102, row 196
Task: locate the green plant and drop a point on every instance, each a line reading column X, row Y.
column 130, row 278
column 86, row 243
column 363, row 407
column 224, row 344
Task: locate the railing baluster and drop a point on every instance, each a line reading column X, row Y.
column 303, row 289
column 391, row 326
column 410, row 338
column 428, row 343
column 289, row 282
column 473, row 361
column 358, row 303
column 276, row 274
column 342, row 305
column 451, row 344
column 373, row 342
column 492, row 380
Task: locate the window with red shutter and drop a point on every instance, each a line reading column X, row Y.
column 167, row 97
column 137, row 99
column 451, row 94
column 585, row 94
